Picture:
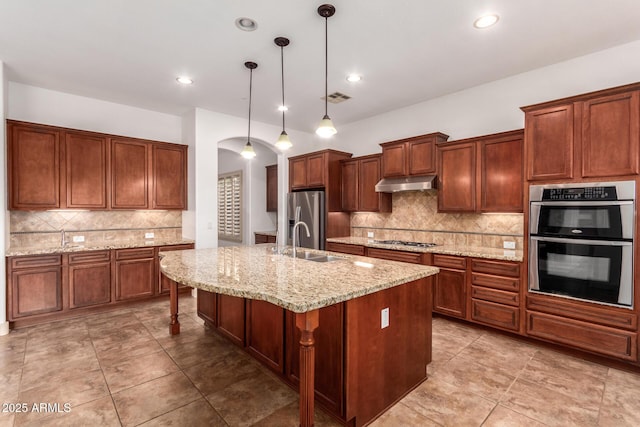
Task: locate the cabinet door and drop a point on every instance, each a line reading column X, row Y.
column 231, row 318
column 369, row 175
column 422, row 156
column 129, row 174
column 329, row 360
column 169, row 176
column 350, row 185
column 35, row 291
column 135, row 278
column 610, row 135
column 549, row 141
column 272, row 188
column 315, row 170
column 298, row 173
column 265, row 333
column 449, row 296
column 208, row 307
column 89, row 284
column 457, row 178
column 394, row 160
column 501, row 182
column 34, row 167
column 87, row 170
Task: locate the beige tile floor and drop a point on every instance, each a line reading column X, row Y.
column 122, row 368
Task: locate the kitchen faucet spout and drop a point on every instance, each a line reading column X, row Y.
column 295, row 228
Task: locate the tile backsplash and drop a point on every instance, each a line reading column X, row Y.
column 415, row 217
column 43, row 228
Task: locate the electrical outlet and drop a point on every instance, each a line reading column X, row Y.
column 149, row 235
column 370, row 234
column 509, row 245
column 78, row 239
column 384, row 318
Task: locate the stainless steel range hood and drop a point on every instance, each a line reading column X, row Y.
column 408, row 183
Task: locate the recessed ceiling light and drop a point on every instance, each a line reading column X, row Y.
column 283, row 108
column 486, row 21
column 354, row 78
column 246, row 24
column 184, row 80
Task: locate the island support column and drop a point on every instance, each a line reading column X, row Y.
column 174, row 325
column 307, row 323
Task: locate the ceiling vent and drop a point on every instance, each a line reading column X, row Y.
column 336, row 97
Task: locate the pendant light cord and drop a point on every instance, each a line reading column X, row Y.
column 326, row 64
column 282, row 68
column 250, row 90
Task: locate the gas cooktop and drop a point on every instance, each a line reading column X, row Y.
column 404, row 243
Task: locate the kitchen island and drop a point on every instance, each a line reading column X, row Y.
column 384, row 307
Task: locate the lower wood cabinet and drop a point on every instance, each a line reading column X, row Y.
column 35, row 285
column 450, row 290
column 135, row 273
column 264, row 238
column 345, row 248
column 265, row 333
column 231, row 318
column 208, row 307
column 89, row 279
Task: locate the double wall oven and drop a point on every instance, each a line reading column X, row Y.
column 581, row 241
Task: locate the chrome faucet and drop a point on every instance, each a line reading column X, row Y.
column 63, row 240
column 295, row 227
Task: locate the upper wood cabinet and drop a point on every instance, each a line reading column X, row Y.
column 57, row 168
column 482, row 174
column 587, row 136
column 87, row 170
column 319, row 170
column 169, row 176
column 272, row 188
column 359, row 178
column 33, row 160
column 411, row 156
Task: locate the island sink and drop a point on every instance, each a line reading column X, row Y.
column 316, row 257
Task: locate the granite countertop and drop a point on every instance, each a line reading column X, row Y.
column 96, row 246
column 468, row 251
column 299, row 285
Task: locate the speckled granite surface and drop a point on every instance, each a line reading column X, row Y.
column 98, row 246
column 298, row 285
column 468, row 251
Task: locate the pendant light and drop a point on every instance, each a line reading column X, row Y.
column 247, row 151
column 326, row 128
column 283, row 142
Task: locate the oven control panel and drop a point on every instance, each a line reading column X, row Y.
column 580, row 194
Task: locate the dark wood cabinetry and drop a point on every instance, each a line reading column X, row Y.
column 33, row 160
column 272, row 188
column 359, row 178
column 264, row 238
column 265, row 333
column 163, row 282
column 89, row 279
column 481, row 174
column 35, row 285
column 231, row 318
column 345, row 248
column 411, row 156
column 450, row 290
column 169, row 176
column 134, row 273
column 495, row 293
column 52, row 167
column 87, row 171
column 587, row 136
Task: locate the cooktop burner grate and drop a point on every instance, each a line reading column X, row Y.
column 405, row 243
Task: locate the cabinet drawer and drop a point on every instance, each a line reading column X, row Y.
column 86, row 257
column 493, row 314
column 345, row 248
column 449, row 261
column 176, row 247
column 582, row 335
column 35, row 261
column 412, row 257
column 502, row 297
column 511, row 269
column 136, row 253
column 497, row 282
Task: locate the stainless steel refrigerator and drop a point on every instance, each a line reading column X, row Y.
column 307, row 206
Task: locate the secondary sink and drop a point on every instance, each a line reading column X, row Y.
column 316, row 257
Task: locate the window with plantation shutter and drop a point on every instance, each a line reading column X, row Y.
column 230, row 206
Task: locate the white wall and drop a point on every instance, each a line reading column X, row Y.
column 4, row 229
column 494, row 107
column 189, row 138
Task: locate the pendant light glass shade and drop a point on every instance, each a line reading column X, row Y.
column 283, row 142
column 326, row 129
column 248, row 151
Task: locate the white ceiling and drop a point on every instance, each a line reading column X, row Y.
column 408, row 51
